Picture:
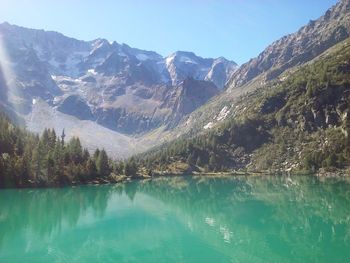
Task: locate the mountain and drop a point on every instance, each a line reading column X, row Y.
column 298, row 48
column 183, row 64
column 300, row 124
column 287, row 53
column 139, row 98
column 129, row 91
column 286, row 109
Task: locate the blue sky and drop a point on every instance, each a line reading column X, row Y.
column 235, row 29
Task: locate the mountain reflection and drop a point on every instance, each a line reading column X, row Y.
column 251, row 218
column 279, row 216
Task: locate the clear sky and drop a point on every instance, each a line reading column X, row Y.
column 235, row 29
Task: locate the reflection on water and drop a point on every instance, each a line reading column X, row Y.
column 255, row 219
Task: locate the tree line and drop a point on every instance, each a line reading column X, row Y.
column 27, row 159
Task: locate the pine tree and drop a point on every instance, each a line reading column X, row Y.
column 212, row 161
column 86, row 155
column 8, row 168
column 37, row 161
column 102, row 163
column 119, row 168
column 63, row 135
column 75, row 150
column 96, row 154
column 45, row 137
column 59, row 161
column 130, row 168
column 91, row 169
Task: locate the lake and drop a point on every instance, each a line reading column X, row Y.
column 180, row 219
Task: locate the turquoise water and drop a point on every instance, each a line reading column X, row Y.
column 180, row 220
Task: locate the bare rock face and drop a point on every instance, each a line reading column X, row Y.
column 186, row 97
column 193, row 94
column 74, row 105
column 298, row 48
column 182, row 65
column 125, row 89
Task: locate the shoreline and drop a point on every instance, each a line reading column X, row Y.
column 122, row 179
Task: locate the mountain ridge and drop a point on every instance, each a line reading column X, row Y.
column 298, row 125
column 205, row 117
column 231, row 131
column 128, row 90
column 303, row 45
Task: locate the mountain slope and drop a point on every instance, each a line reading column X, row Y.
column 306, row 44
column 298, row 48
column 298, row 123
column 127, row 90
column 107, row 77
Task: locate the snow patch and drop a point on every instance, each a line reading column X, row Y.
column 56, row 100
column 182, row 59
column 209, row 125
column 223, row 114
column 185, row 59
column 99, row 44
column 169, row 60
column 92, row 71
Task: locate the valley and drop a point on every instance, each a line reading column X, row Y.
column 111, row 153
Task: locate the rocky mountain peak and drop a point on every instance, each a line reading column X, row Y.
column 182, row 65
column 125, row 89
column 298, row 48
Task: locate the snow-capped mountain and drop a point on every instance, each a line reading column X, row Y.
column 125, row 89
column 183, row 64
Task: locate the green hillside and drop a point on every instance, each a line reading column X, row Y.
column 297, row 123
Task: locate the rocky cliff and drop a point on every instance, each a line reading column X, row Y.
column 298, row 48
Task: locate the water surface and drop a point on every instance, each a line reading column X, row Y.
column 261, row 219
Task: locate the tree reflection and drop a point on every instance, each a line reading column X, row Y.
column 259, row 219
column 44, row 211
column 295, row 219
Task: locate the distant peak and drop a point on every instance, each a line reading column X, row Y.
column 186, row 53
column 5, row 23
column 101, row 41
column 224, row 60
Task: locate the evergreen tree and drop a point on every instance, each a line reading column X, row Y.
column 75, row 150
column 102, row 163
column 212, row 161
column 37, row 161
column 45, row 160
column 63, row 135
column 130, row 168
column 119, row 168
column 86, row 155
column 96, row 154
column 91, row 170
